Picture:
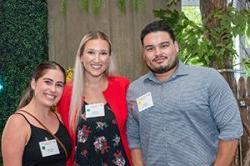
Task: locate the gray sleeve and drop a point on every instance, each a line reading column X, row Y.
column 224, row 108
column 133, row 132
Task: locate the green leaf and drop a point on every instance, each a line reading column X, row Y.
column 137, row 4
column 96, row 6
column 122, row 5
column 23, row 44
column 63, row 6
column 84, row 4
column 248, row 31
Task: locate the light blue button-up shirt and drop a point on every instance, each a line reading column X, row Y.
column 191, row 111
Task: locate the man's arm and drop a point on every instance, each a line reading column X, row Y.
column 226, row 152
column 133, row 132
column 136, row 155
column 225, row 111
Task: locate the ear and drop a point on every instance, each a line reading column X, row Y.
column 110, row 59
column 143, row 53
column 33, row 84
column 81, row 58
column 176, row 45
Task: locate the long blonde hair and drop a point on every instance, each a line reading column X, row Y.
column 78, row 78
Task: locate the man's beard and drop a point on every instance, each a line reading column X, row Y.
column 164, row 69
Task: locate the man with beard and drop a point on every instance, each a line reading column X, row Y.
column 179, row 115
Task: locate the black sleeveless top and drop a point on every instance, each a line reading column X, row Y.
column 32, row 154
column 98, row 141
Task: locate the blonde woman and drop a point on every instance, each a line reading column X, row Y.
column 94, row 107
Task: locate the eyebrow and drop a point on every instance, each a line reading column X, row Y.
column 92, row 49
column 151, row 45
column 49, row 79
column 165, row 42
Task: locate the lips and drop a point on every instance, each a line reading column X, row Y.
column 159, row 59
column 50, row 96
column 96, row 66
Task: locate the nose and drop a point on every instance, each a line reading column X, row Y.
column 157, row 51
column 97, row 57
column 53, row 88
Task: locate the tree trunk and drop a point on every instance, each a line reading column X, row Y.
column 208, row 7
column 225, row 60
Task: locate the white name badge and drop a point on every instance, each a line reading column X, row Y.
column 94, row 110
column 49, row 148
column 145, row 101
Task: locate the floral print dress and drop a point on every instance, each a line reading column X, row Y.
column 98, row 141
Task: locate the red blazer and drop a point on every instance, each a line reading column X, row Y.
column 115, row 95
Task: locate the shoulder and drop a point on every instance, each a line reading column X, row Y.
column 203, row 72
column 15, row 136
column 200, row 69
column 17, row 124
column 138, row 82
column 63, row 105
column 118, row 80
column 66, row 92
column 68, row 87
column 209, row 77
column 17, row 120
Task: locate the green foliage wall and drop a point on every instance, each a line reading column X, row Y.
column 23, row 44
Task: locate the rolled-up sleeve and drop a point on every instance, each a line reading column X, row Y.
column 133, row 132
column 225, row 109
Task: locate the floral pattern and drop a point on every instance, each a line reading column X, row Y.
column 116, row 140
column 101, row 145
column 99, row 142
column 83, row 134
column 119, row 160
column 101, row 125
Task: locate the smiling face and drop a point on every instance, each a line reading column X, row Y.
column 160, row 52
column 96, row 57
column 48, row 89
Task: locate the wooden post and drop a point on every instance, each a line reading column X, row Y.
column 243, row 103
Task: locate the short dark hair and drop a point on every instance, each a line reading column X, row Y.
column 156, row 26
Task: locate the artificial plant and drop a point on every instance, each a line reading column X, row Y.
column 23, row 45
column 95, row 5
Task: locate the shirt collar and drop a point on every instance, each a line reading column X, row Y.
column 181, row 70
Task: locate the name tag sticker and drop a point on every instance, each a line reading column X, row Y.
column 145, row 101
column 49, row 148
column 94, row 110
